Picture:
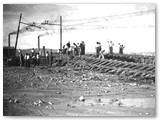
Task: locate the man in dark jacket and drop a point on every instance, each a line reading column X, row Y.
column 50, row 57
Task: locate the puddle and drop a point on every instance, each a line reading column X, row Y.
column 129, row 102
column 139, row 102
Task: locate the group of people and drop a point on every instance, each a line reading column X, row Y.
column 25, row 60
column 100, row 51
column 75, row 49
column 111, row 44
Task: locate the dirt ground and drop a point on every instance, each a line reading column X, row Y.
column 67, row 91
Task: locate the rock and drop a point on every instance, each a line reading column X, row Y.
column 16, row 101
column 132, row 84
column 99, row 100
column 118, row 103
column 50, row 103
column 123, row 89
column 82, row 98
column 147, row 113
column 35, row 103
column 47, row 107
column 58, row 92
column 68, row 105
column 40, row 101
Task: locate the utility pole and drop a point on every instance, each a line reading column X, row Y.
column 9, row 45
column 60, row 32
column 17, row 34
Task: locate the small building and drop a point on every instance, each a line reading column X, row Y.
column 8, row 52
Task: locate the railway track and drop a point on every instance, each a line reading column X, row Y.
column 129, row 70
column 134, row 71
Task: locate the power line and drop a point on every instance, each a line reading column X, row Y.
column 110, row 17
column 26, row 20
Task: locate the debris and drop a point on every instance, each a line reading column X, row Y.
column 132, row 84
column 114, row 100
column 47, row 107
column 147, row 113
column 91, row 104
column 123, row 89
column 105, row 91
column 118, row 103
column 82, row 98
column 58, row 92
column 35, row 103
column 50, row 103
column 99, row 100
column 16, row 101
column 40, row 101
column 68, row 105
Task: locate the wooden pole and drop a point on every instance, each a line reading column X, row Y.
column 44, row 51
column 17, row 33
column 60, row 32
column 8, row 45
column 38, row 43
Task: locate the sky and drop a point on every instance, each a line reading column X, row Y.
column 130, row 24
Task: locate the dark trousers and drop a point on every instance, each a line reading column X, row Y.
column 111, row 50
column 27, row 63
column 38, row 61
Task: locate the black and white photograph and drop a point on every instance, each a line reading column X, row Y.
column 70, row 59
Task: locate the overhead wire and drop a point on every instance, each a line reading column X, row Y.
column 112, row 17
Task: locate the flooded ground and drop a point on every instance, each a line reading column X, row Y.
column 67, row 91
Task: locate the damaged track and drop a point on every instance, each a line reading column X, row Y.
column 133, row 71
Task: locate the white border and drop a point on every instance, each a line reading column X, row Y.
column 78, row 1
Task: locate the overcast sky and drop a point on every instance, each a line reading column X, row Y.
column 107, row 15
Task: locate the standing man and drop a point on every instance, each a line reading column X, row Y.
column 20, row 57
column 111, row 44
column 79, row 49
column 50, row 57
column 38, row 59
column 98, row 49
column 82, row 46
column 101, row 55
column 121, row 48
column 25, row 59
column 68, row 47
column 47, row 56
column 33, row 57
column 32, row 52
